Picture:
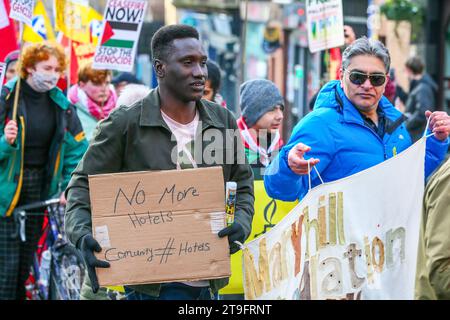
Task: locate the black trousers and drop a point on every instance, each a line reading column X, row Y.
column 16, row 257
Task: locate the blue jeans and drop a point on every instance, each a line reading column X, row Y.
column 174, row 291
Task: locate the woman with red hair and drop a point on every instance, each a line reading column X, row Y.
column 38, row 152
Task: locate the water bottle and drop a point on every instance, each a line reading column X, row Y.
column 230, row 201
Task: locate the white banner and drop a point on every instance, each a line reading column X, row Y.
column 122, row 26
column 325, row 21
column 22, row 10
column 4, row 21
column 355, row 238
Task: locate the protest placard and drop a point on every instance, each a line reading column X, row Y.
column 22, row 10
column 160, row 226
column 354, row 238
column 325, row 21
column 122, row 26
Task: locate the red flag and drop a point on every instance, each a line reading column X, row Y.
column 80, row 54
column 7, row 31
column 108, row 33
column 73, row 65
column 335, row 63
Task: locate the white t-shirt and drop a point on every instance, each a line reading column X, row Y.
column 185, row 135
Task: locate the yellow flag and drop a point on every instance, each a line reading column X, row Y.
column 42, row 28
column 77, row 20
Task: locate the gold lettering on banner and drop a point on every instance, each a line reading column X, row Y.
column 309, row 225
column 296, row 239
column 333, row 278
column 378, row 265
column 392, row 237
column 332, row 218
column 313, row 275
column 322, row 278
column 321, row 213
column 340, row 215
column 351, row 254
column 256, row 284
column 278, row 259
column 370, row 278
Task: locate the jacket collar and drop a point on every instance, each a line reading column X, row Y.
column 151, row 113
column 55, row 94
column 351, row 114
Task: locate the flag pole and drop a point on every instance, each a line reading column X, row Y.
column 19, row 67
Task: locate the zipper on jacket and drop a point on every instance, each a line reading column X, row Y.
column 16, row 196
column 375, row 134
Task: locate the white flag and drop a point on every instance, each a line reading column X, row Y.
column 22, row 10
column 355, row 238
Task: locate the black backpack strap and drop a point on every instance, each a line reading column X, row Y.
column 391, row 126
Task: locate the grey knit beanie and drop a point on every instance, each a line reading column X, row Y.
column 258, row 97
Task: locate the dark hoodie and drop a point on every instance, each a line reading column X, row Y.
column 422, row 97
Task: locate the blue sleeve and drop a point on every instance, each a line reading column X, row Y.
column 280, row 181
column 435, row 154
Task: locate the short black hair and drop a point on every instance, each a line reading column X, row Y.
column 214, row 75
column 415, row 64
column 162, row 39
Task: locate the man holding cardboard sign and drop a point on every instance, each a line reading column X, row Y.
column 172, row 128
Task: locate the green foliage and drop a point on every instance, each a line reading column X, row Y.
column 399, row 10
column 404, row 10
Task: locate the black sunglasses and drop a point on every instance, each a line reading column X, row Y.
column 358, row 78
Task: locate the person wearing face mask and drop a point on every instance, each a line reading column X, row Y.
column 94, row 91
column 38, row 152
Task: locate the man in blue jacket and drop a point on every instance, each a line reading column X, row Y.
column 353, row 127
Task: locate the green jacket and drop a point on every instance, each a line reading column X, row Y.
column 136, row 138
column 67, row 148
column 433, row 262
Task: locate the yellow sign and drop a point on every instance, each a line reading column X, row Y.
column 268, row 212
column 41, row 26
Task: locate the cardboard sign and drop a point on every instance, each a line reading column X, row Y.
column 160, row 226
column 325, row 21
column 22, row 10
column 122, row 26
column 354, row 238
